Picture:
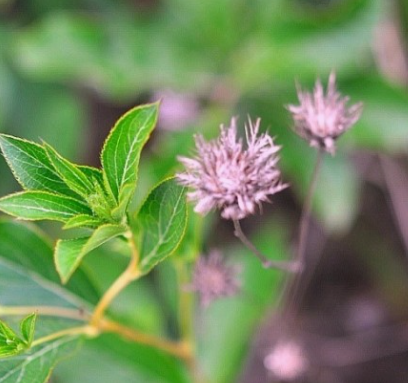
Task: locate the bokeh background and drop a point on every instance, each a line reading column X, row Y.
column 70, row 68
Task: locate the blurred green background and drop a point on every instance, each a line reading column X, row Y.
column 70, row 68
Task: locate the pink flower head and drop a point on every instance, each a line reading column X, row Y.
column 322, row 118
column 230, row 177
column 213, row 279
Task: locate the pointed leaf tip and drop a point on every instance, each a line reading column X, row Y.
column 27, row 328
column 121, row 152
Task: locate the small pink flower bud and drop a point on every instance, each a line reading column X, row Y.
column 213, row 279
column 320, row 119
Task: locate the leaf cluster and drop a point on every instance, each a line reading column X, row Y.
column 12, row 344
column 96, row 199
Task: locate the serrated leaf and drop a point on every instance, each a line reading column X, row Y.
column 160, row 223
column 121, row 152
column 70, row 252
column 7, row 334
column 71, row 174
column 27, row 328
column 38, row 205
column 31, row 166
column 8, row 351
column 92, row 173
column 82, row 220
column 10, row 343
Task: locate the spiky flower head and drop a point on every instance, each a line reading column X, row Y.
column 232, row 177
column 322, row 118
column 286, row 361
column 214, row 279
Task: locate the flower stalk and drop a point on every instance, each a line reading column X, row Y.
column 292, row 286
column 307, row 208
column 267, row 263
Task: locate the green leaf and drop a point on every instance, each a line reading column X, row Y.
column 121, row 151
column 37, row 367
column 11, row 350
column 34, row 289
column 27, row 328
column 92, row 173
column 125, row 196
column 6, row 334
column 82, row 220
column 117, row 360
column 27, row 286
column 25, row 246
column 160, row 223
column 100, row 203
column 38, row 205
column 10, row 343
column 31, row 166
column 70, row 252
column 71, row 174
column 191, row 245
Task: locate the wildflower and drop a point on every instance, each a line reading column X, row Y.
column 286, row 361
column 229, row 177
column 321, row 119
column 213, row 279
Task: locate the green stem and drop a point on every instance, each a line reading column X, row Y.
column 52, row 311
column 128, row 276
column 178, row 349
column 83, row 330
